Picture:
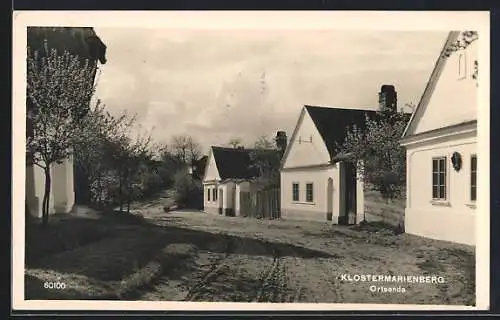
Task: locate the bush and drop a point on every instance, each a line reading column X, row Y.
column 166, row 177
column 105, row 191
column 151, row 183
column 188, row 192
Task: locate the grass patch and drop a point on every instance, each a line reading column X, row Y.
column 110, row 259
column 86, row 287
column 69, row 231
column 377, row 227
column 170, row 257
column 379, row 209
column 60, row 236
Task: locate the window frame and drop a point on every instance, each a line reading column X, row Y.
column 444, row 183
column 473, row 173
column 310, row 183
column 208, row 194
column 295, row 194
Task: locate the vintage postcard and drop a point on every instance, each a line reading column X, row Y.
column 250, row 160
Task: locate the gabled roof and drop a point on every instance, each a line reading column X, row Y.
column 333, row 123
column 198, row 167
column 201, row 163
column 233, row 163
column 431, row 84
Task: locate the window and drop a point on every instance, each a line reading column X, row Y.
column 461, row 65
column 295, row 191
column 214, row 194
column 473, row 178
column 208, row 194
column 439, row 178
column 309, row 192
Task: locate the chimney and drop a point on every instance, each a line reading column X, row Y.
column 388, row 99
column 240, row 147
column 281, row 142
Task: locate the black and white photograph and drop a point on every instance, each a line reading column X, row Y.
column 257, row 163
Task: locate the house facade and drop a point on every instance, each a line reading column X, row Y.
column 441, row 151
column 228, row 172
column 316, row 184
column 86, row 44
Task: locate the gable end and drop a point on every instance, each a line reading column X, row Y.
column 292, row 138
column 430, row 86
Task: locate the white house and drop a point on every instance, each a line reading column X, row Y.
column 441, row 151
column 228, row 172
column 315, row 183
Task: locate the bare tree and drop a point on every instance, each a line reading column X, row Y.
column 263, row 142
column 235, row 142
column 185, row 148
column 194, row 150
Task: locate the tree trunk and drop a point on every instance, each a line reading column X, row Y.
column 128, row 202
column 98, row 191
column 120, row 193
column 129, row 191
column 46, row 197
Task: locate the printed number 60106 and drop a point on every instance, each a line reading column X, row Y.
column 54, row 285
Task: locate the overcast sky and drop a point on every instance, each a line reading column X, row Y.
column 215, row 85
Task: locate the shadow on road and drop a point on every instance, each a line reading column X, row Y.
column 114, row 247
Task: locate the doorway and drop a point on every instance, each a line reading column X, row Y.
column 329, row 200
column 221, row 200
column 349, row 184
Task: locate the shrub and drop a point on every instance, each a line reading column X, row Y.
column 151, row 183
column 188, row 192
column 104, row 191
column 165, row 177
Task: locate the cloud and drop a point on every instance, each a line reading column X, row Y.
column 216, row 85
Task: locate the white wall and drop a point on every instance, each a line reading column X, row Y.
column 228, row 200
column 63, row 186
column 453, row 220
column 318, row 208
column 212, row 205
column 306, row 153
column 35, row 187
column 211, row 172
column 454, row 99
column 240, row 187
column 360, row 198
column 62, row 195
column 210, row 182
